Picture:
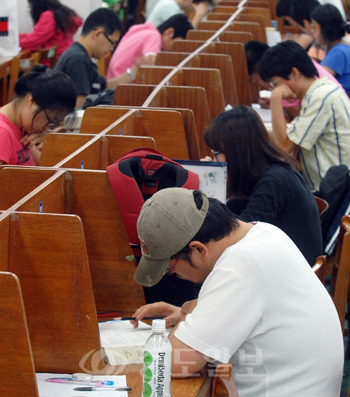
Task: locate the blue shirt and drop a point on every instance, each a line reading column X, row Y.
column 338, row 59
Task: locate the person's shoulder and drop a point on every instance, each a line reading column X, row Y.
column 47, row 15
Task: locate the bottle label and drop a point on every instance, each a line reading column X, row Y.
column 157, row 372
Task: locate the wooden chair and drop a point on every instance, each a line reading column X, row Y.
column 319, row 268
column 103, row 63
column 8, row 77
column 50, row 54
column 223, row 385
column 17, row 370
column 322, row 206
column 27, row 60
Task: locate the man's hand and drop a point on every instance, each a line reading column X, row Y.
column 171, row 314
column 283, row 92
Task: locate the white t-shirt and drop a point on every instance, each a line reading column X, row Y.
column 264, row 310
column 162, row 11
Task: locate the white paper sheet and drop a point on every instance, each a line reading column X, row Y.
column 48, row 389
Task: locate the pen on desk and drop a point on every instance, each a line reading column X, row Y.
column 107, row 314
column 96, row 383
column 134, row 318
column 102, row 389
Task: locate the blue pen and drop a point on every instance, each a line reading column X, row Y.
column 96, row 383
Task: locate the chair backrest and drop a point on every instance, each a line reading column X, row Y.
column 103, row 63
column 8, row 77
column 322, row 206
column 223, row 385
column 26, row 62
column 319, row 268
column 50, row 54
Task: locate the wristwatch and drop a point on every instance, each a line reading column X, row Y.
column 131, row 74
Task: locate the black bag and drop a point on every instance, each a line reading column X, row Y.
column 102, row 98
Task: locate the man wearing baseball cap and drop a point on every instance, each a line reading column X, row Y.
column 260, row 307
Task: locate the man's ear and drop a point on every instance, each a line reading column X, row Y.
column 199, row 248
column 96, row 32
column 168, row 33
column 295, row 74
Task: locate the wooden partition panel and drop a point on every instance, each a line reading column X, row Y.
column 262, row 11
column 15, row 184
column 166, row 128
column 209, row 79
column 204, row 35
column 193, row 98
column 17, row 371
column 249, row 27
column 58, row 146
column 237, row 53
column 50, row 259
column 210, row 61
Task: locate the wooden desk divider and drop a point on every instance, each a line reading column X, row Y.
column 88, row 195
column 230, row 37
column 108, row 149
column 17, row 371
column 237, row 53
column 209, row 79
column 194, row 98
column 209, row 61
column 262, row 11
column 166, row 127
column 250, row 27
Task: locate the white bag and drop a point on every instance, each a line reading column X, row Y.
column 9, row 45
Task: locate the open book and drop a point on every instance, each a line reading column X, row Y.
column 123, row 344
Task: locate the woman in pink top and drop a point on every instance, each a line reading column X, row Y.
column 43, row 98
column 53, row 23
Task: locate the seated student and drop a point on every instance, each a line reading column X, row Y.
column 261, row 307
column 263, row 184
column 142, row 43
column 322, row 130
column 53, row 23
column 43, row 97
column 328, row 29
column 100, row 34
column 298, row 14
column 165, row 9
column 254, row 51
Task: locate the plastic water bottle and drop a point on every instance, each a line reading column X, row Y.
column 157, row 362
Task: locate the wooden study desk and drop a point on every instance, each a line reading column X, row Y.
column 198, row 386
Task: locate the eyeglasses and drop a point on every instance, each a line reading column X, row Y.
column 51, row 124
column 114, row 43
column 315, row 25
column 273, row 83
column 215, row 154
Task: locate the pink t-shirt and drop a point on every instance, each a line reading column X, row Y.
column 12, row 151
column 138, row 41
column 322, row 72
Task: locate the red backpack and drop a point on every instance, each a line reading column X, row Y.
column 137, row 176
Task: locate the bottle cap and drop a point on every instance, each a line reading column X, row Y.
column 158, row 325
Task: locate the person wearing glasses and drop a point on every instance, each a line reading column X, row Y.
column 142, row 42
column 100, row 35
column 43, row 97
column 321, row 132
column 263, row 183
column 54, row 23
column 328, row 29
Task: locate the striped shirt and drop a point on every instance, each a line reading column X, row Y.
column 322, row 130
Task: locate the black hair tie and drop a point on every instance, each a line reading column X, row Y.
column 43, row 69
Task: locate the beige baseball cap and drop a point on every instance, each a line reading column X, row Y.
column 167, row 223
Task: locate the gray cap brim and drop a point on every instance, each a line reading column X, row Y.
column 150, row 272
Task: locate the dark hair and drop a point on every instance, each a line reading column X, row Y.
column 51, row 89
column 254, row 51
column 102, row 18
column 179, row 22
column 280, row 59
column 333, row 26
column 241, row 135
column 218, row 223
column 298, row 10
column 63, row 15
